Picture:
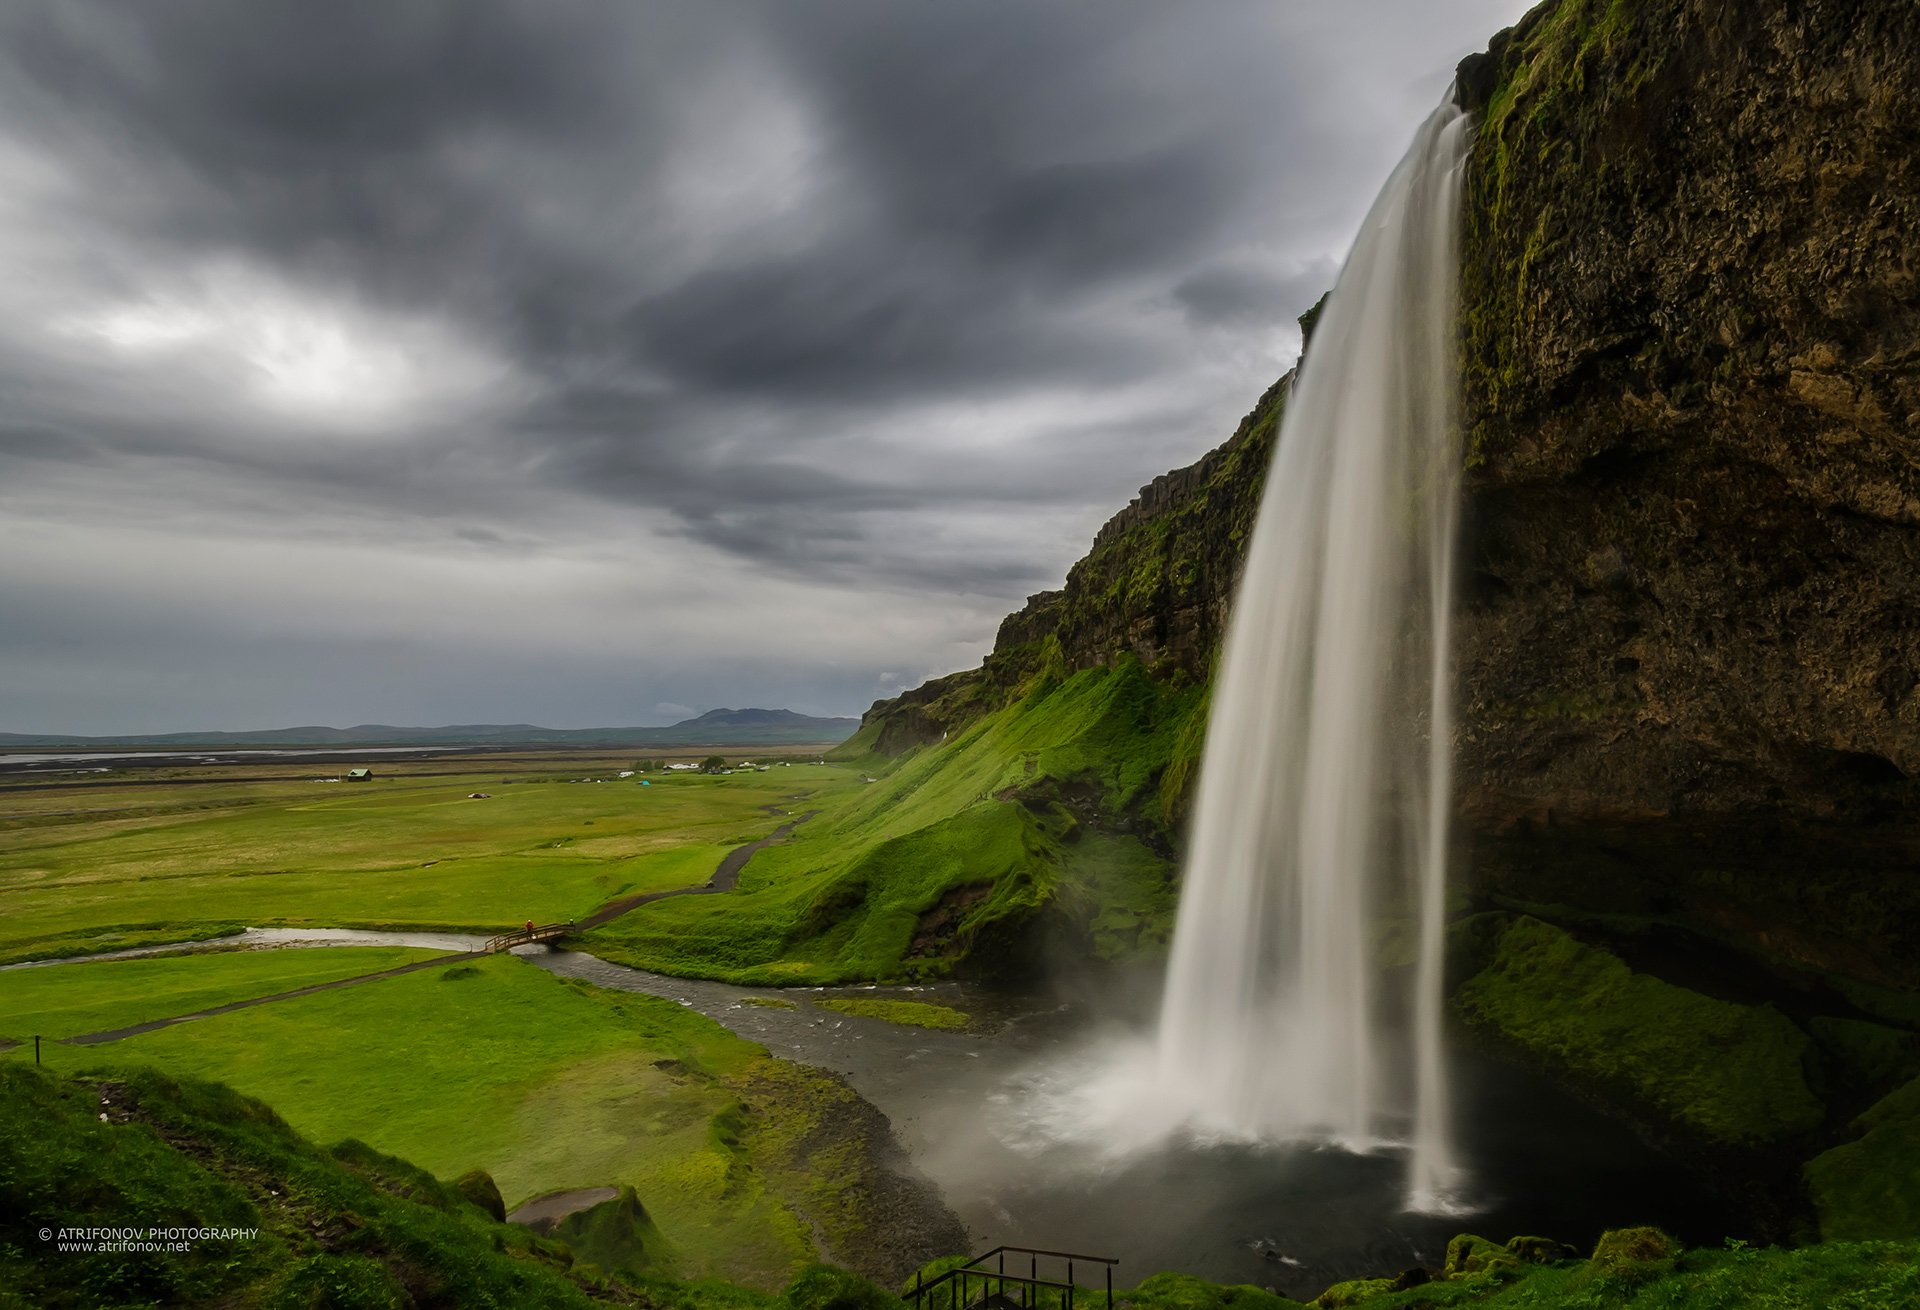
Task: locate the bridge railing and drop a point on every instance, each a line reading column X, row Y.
column 545, row 932
column 964, row 1283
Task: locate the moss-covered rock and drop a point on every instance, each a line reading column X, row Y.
column 477, row 1186
column 1870, row 1187
column 617, row 1234
column 1353, row 1292
column 1633, row 1253
column 1185, row 1292
column 1729, row 1074
column 1541, row 1250
column 1468, row 1254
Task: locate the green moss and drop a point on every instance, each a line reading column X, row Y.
column 1867, row 1055
column 1730, row 1073
column 1356, row 1291
column 478, row 1187
column 1639, row 1253
column 916, row 1014
column 616, row 1235
column 1468, row 1254
column 1185, row 1292
column 1870, row 1187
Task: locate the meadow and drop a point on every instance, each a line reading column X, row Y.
column 493, row 1064
column 487, row 1063
column 177, row 857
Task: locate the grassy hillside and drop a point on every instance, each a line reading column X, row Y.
column 1055, row 802
column 498, row 1066
column 353, row 1229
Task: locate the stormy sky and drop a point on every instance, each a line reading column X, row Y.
column 585, row 362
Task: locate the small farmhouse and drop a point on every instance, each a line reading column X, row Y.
column 359, row 775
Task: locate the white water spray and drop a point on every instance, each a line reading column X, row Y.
column 1321, row 812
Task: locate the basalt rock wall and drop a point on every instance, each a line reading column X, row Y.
column 1692, row 396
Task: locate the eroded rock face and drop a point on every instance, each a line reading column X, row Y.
column 1692, row 640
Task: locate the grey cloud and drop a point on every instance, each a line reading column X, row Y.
column 875, row 298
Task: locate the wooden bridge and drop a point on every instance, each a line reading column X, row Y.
column 546, row 932
column 977, row 1286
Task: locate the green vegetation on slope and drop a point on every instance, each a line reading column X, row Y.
column 346, row 1229
column 1733, row 1074
column 945, row 855
column 546, row 1085
column 1870, row 1187
column 141, row 1150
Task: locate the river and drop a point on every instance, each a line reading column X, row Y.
column 978, row 1116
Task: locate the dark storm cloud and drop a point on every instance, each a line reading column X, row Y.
column 885, row 299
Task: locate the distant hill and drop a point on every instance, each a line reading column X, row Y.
column 749, row 727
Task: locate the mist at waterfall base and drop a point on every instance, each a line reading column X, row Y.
column 1292, row 1119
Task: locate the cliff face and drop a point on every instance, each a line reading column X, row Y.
column 1690, row 652
column 1692, row 392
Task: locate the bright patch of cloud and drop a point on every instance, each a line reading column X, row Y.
column 297, row 352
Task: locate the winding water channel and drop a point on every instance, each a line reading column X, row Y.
column 979, row 1115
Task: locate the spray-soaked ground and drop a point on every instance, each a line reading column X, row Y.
column 980, row 1115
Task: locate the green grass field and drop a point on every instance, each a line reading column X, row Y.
column 95, row 869
column 491, row 1064
column 65, row 1000
column 488, row 1064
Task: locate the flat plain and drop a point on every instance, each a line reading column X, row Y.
column 486, row 1063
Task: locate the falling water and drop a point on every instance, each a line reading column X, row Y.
column 1322, row 812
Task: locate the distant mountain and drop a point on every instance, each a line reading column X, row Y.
column 723, row 727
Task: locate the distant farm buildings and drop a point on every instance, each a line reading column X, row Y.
column 359, row 775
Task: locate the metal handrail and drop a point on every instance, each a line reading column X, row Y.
column 544, row 932
column 959, row 1276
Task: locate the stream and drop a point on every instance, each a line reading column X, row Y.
column 978, row 1118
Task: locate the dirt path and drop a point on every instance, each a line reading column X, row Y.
column 723, row 879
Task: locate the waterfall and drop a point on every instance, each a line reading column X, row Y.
column 1324, row 793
